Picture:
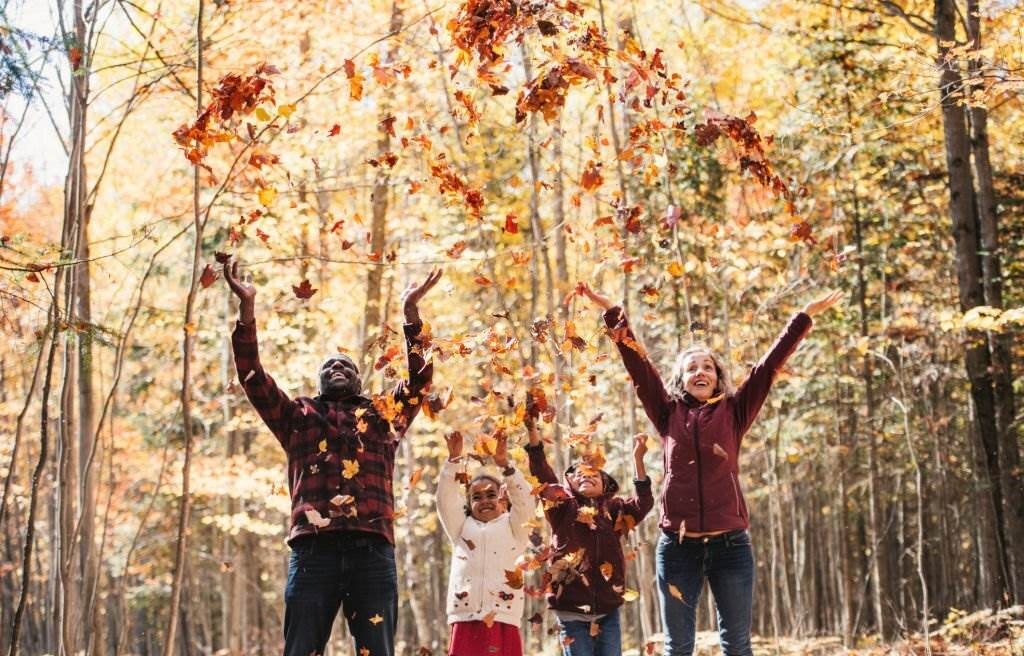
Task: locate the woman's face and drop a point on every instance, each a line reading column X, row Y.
column 485, row 500
column 700, row 378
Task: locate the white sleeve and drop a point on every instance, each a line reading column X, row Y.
column 451, row 500
column 524, row 504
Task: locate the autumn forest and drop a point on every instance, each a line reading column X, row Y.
column 711, row 167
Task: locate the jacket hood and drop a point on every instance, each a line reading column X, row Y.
column 611, row 486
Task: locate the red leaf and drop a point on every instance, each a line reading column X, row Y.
column 222, row 258
column 335, row 130
column 303, row 289
column 208, row 276
column 511, row 224
column 591, row 178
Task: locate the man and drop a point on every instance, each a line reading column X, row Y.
column 341, row 454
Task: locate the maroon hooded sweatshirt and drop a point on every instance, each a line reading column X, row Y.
column 701, row 440
column 587, row 561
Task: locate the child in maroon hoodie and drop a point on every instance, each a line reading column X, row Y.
column 588, row 567
column 704, row 519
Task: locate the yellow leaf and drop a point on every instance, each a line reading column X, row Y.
column 675, row 269
column 376, row 619
column 323, row 446
column 286, row 110
column 262, row 114
column 267, row 196
column 630, row 595
column 350, row 468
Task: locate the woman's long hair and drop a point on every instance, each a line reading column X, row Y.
column 675, row 380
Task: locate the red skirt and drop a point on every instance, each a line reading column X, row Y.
column 477, row 639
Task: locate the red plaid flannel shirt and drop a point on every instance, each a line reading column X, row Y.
column 326, row 440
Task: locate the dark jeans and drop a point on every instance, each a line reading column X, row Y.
column 606, row 643
column 355, row 571
column 727, row 561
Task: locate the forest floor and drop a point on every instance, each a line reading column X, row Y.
column 985, row 633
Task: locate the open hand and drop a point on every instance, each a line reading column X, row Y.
column 414, row 292
column 454, row 440
column 243, row 289
column 583, row 289
column 501, row 449
column 819, row 305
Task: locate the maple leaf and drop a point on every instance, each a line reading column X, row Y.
column 388, row 124
column 376, row 619
column 208, row 277
column 334, row 131
column 267, row 195
column 586, row 515
column 349, row 468
column 514, row 578
column 303, row 290
column 591, row 178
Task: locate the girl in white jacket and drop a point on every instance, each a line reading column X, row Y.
column 485, row 588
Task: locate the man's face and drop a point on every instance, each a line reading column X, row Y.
column 339, row 376
column 587, row 481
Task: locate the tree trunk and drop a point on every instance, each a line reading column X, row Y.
column 969, row 279
column 1000, row 344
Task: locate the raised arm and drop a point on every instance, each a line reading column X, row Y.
column 522, row 504
column 648, row 384
column 751, row 395
column 410, row 392
column 274, row 406
column 451, row 494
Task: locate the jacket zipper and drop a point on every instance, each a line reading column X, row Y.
column 736, row 493
column 700, row 484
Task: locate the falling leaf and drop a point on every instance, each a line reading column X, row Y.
column 719, row 451
column 587, row 515
column 376, row 619
column 607, row 569
column 267, row 195
column 303, row 289
column 469, row 543
column 334, row 131
column 630, row 595
column 415, row 478
column 675, row 269
column 511, row 224
column 322, row 446
column 488, row 619
column 595, row 629
column 349, row 468
column 568, row 640
column 286, row 110
column 481, row 280
column 363, row 651
column 674, row 591
column 514, row 578
column 535, row 621
column 208, row 276
column 221, row 258
column 591, row 178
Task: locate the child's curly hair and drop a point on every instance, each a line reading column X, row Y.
column 484, row 476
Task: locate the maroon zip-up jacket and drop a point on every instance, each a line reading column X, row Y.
column 320, row 434
column 581, row 548
column 701, row 441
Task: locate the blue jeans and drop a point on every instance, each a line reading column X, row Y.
column 353, row 571
column 606, row 643
column 727, row 562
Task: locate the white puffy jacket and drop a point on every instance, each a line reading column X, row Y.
column 483, row 551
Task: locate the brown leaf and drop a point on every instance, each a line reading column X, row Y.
column 208, row 276
column 303, row 290
column 674, row 591
column 514, row 578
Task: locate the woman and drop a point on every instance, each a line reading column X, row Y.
column 704, row 520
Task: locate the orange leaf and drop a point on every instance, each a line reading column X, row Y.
column 511, row 224
column 514, row 578
column 591, row 178
column 376, row 619
column 350, row 468
column 674, row 591
column 488, row 619
column 595, row 629
column 415, row 478
column 607, row 569
column 209, row 275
